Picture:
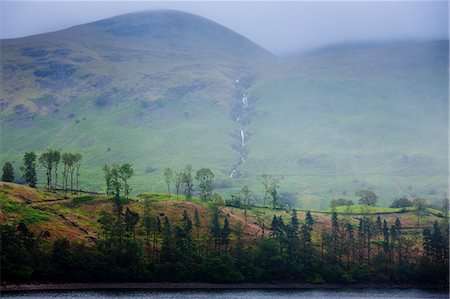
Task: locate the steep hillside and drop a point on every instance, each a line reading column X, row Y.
column 166, row 89
column 154, row 88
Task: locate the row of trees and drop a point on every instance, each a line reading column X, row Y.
column 183, row 181
column 117, row 179
column 152, row 247
column 50, row 161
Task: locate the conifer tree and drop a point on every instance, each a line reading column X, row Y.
column 8, row 172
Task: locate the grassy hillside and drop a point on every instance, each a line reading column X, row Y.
column 76, row 216
column 351, row 118
column 165, row 89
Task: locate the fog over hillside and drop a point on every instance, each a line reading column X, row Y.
column 165, row 88
column 280, row 27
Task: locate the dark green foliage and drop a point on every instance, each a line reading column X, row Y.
column 289, row 255
column 215, row 229
column 205, row 178
column 225, row 233
column 366, row 197
column 8, row 172
column 340, row 202
column 401, row 203
column 29, row 169
column 234, row 201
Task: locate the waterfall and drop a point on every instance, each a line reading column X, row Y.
column 242, row 138
column 244, row 101
column 232, row 173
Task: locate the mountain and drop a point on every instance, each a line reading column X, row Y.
column 166, row 89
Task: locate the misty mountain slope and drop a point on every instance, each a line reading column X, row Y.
column 355, row 117
column 165, row 89
column 155, row 88
column 146, row 55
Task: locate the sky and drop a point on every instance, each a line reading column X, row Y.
column 280, row 27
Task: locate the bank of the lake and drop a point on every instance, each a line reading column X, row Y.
column 7, row 288
column 367, row 293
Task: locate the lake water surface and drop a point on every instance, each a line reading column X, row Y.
column 232, row 294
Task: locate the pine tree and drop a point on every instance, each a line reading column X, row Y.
column 215, row 228
column 378, row 230
column 309, row 219
column 386, row 243
column 8, row 172
column 225, row 233
column 427, row 242
column 197, row 223
column 437, row 246
column 350, row 240
column 336, row 242
column 187, row 223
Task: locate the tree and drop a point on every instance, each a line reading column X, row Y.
column 275, row 197
column 197, row 222
column 168, row 177
column 148, row 224
column 246, row 201
column 187, row 223
column 29, row 169
column 68, row 161
column 8, row 172
column 56, row 160
column 335, row 228
column 403, row 202
column 205, row 178
column 188, row 182
column 366, row 197
column 420, row 204
column 48, row 161
column 340, row 202
column 131, row 220
column 225, row 233
column 309, row 219
column 77, row 162
column 177, row 179
column 107, row 176
column 215, row 229
column 269, row 183
column 126, row 172
column 386, row 242
column 349, row 241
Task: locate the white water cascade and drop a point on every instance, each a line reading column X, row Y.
column 232, row 173
column 244, row 101
column 242, row 138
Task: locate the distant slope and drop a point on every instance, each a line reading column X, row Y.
column 357, row 116
column 165, row 89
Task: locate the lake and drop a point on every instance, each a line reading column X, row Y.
column 231, row 294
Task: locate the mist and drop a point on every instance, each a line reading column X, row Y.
column 280, row 27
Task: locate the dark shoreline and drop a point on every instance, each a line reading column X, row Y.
column 5, row 288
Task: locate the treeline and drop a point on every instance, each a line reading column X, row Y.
column 153, row 247
column 50, row 162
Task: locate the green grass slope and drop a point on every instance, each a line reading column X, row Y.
column 372, row 117
column 164, row 89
